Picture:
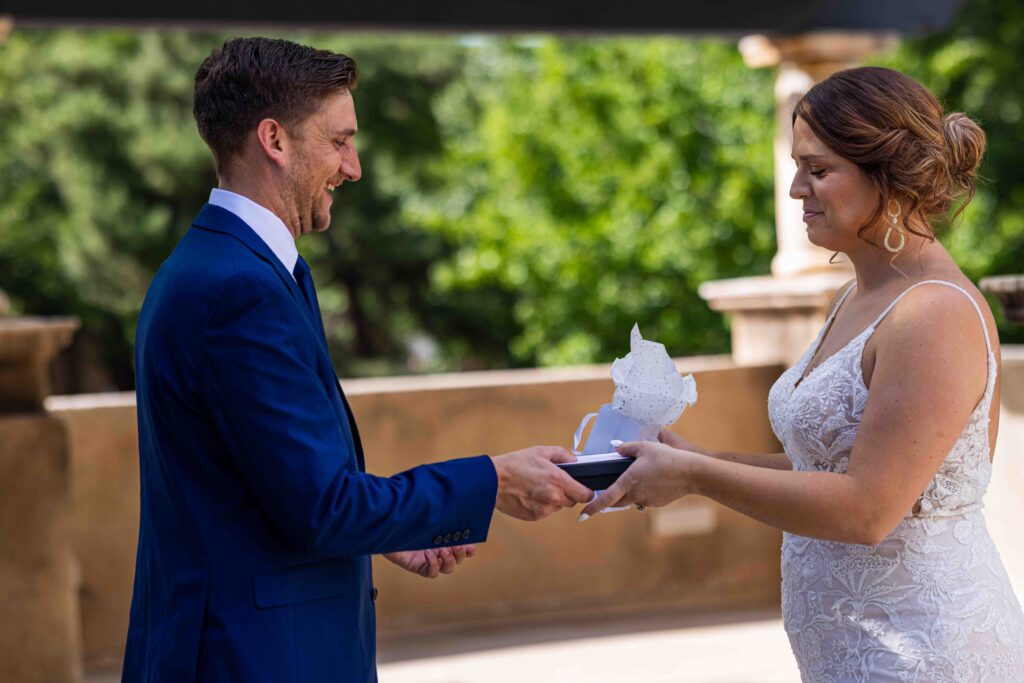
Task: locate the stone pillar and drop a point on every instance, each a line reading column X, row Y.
column 1009, row 289
column 775, row 317
column 39, row 625
column 1004, row 505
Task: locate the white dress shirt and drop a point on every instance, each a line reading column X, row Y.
column 264, row 223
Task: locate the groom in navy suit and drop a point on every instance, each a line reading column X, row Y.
column 258, row 519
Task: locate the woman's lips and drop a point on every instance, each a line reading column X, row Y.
column 808, row 215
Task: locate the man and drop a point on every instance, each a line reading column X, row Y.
column 258, row 518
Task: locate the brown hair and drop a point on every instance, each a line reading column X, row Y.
column 894, row 129
column 250, row 79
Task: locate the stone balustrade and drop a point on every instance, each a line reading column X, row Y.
column 693, row 555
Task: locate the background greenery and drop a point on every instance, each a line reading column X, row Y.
column 524, row 201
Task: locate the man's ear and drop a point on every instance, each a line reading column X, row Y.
column 273, row 140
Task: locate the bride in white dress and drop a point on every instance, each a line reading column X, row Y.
column 889, row 419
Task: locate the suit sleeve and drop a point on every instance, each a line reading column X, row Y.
column 279, row 427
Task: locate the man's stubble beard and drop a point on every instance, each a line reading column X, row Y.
column 309, row 213
column 321, row 218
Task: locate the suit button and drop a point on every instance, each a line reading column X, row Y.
column 465, row 534
column 447, row 538
column 373, row 594
column 437, row 540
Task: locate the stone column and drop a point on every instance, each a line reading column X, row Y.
column 1009, row 289
column 39, row 625
column 775, row 317
column 1004, row 505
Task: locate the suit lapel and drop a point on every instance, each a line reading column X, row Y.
column 216, row 219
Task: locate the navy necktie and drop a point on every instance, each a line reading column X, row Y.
column 305, row 281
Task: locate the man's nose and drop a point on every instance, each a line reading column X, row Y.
column 351, row 168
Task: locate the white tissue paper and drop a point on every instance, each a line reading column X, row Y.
column 649, row 394
column 648, row 388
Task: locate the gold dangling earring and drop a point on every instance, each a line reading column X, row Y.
column 893, row 225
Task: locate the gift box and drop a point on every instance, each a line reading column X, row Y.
column 649, row 394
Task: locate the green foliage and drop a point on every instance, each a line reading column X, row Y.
column 523, row 201
column 372, row 267
column 101, row 171
column 597, row 183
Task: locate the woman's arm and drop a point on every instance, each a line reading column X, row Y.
column 930, row 371
column 773, row 461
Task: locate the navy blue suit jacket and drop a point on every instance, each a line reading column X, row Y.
column 257, row 517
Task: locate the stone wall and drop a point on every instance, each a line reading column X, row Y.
column 39, row 641
column 1004, row 502
column 694, row 555
column 691, row 556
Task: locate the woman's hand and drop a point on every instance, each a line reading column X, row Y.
column 431, row 562
column 660, row 475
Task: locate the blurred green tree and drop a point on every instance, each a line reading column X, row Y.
column 524, row 201
column 103, row 170
column 974, row 67
column 591, row 184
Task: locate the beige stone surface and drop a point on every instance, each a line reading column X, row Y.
column 774, row 319
column 105, row 496
column 39, row 629
column 647, row 649
column 1004, row 501
column 701, row 557
column 694, row 559
column 556, row 565
column 27, row 345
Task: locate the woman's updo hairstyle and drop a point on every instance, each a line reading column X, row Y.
column 894, row 129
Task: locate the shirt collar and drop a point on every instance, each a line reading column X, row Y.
column 263, row 222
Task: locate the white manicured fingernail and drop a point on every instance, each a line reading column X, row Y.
column 615, row 443
column 583, row 517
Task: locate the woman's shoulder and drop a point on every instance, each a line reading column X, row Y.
column 946, row 309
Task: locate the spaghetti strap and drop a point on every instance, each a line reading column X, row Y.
column 839, row 303
column 977, row 309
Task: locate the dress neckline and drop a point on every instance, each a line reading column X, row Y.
column 823, row 335
column 827, row 360
column 826, row 329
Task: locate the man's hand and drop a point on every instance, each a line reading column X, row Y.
column 430, row 563
column 531, row 486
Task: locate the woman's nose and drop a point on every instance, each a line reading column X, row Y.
column 799, row 188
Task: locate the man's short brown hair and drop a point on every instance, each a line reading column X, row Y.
column 250, row 79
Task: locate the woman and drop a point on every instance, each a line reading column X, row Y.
column 888, row 420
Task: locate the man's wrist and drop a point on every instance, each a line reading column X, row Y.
column 500, row 471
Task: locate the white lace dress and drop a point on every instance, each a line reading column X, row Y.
column 932, row 602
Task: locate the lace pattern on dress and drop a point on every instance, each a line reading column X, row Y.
column 931, row 602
